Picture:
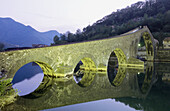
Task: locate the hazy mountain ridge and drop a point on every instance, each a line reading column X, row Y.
column 15, row 33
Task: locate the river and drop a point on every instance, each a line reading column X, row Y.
column 139, row 90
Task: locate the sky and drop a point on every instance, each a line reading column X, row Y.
column 60, row 15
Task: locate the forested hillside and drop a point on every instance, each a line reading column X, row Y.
column 152, row 13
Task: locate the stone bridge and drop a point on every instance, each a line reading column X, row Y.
column 62, row 60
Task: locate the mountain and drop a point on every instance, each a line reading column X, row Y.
column 13, row 34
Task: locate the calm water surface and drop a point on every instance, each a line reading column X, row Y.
column 147, row 90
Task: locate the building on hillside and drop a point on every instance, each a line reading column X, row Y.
column 166, row 43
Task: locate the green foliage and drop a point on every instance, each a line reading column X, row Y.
column 5, row 87
column 153, row 13
column 56, row 39
column 142, row 42
column 7, row 93
column 63, row 38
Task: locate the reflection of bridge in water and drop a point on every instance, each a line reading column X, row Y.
column 89, row 62
column 158, row 97
column 60, row 92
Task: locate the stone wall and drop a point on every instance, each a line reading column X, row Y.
column 163, row 55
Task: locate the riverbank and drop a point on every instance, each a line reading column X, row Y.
column 162, row 55
column 7, row 93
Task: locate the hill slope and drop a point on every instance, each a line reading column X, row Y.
column 152, row 13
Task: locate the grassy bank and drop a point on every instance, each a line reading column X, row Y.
column 7, row 93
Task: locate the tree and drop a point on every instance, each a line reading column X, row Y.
column 78, row 31
column 71, row 37
column 56, row 39
column 1, row 46
column 63, row 38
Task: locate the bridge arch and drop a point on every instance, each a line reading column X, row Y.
column 149, row 45
column 147, row 40
column 115, row 70
column 85, row 70
column 44, row 61
column 42, row 84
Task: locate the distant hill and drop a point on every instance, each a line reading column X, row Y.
column 13, row 34
column 152, row 13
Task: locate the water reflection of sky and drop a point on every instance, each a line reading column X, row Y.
column 27, row 79
column 101, row 105
column 28, row 85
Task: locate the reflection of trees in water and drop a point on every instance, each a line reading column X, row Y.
column 78, row 73
column 141, row 78
column 157, row 99
column 112, row 67
column 112, row 71
column 148, row 80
